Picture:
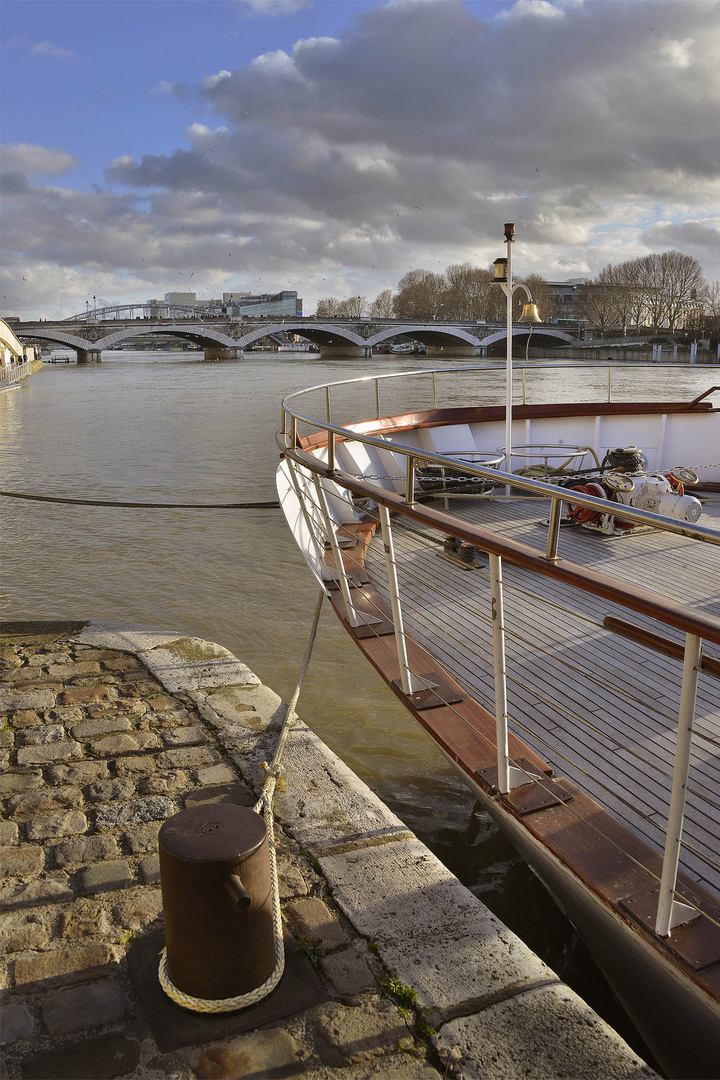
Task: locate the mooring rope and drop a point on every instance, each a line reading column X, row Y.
column 273, row 772
column 143, row 505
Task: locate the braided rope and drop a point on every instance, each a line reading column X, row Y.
column 273, row 773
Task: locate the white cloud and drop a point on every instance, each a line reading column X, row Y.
column 201, row 133
column 163, row 87
column 25, row 157
column 678, row 53
column 211, row 81
column 531, row 9
column 56, row 52
column 408, row 141
column 274, row 8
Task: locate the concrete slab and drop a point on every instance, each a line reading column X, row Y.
column 323, row 803
column 193, row 664
column 238, row 709
column 551, row 1027
column 126, row 638
column 430, row 930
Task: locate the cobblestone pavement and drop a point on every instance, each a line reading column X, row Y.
column 100, row 744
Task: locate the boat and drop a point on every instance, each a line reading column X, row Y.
column 540, row 587
column 414, row 347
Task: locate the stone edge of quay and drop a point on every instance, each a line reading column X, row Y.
column 428, row 929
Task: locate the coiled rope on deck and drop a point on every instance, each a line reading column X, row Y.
column 143, row 505
column 273, row 772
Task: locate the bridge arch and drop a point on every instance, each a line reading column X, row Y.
column 537, row 335
column 59, row 337
column 428, row 333
column 318, row 333
column 207, row 336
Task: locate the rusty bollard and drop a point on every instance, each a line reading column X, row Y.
column 215, row 880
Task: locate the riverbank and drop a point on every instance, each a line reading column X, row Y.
column 399, row 970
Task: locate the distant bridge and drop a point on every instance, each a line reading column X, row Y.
column 225, row 337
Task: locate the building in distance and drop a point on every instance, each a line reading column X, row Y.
column 184, row 305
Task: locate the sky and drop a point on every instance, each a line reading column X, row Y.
column 330, row 146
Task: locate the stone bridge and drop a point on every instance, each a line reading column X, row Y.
column 225, row 337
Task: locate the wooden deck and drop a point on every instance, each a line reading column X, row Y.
column 601, row 710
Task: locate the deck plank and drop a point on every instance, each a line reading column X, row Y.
column 607, row 705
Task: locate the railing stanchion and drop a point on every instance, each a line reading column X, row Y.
column 354, row 617
column 609, row 379
column 434, row 393
column 331, row 451
column 303, row 497
column 377, row 399
column 554, row 529
column 408, row 684
column 409, row 478
column 508, row 776
column 670, row 912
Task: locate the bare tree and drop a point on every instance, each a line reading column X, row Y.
column 598, row 301
column 354, row 307
column 383, row 306
column 329, row 307
column 468, row 294
column 420, row 295
column 653, row 286
column 684, row 286
column 711, row 318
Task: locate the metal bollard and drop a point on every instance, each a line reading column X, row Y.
column 216, row 890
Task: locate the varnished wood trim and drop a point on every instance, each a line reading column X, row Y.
column 485, row 414
column 654, row 641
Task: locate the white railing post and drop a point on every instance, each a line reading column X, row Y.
column 671, row 912
column 508, row 776
column 355, row 618
column 409, row 684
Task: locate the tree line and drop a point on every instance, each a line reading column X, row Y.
column 661, row 290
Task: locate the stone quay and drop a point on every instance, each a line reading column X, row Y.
column 395, row 970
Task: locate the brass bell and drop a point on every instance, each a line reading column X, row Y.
column 530, row 314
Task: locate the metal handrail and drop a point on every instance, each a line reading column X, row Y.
column 450, row 369
column 532, row 486
column 681, row 617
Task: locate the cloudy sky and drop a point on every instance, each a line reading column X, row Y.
column 329, row 146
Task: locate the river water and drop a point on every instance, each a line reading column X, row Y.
column 170, row 427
